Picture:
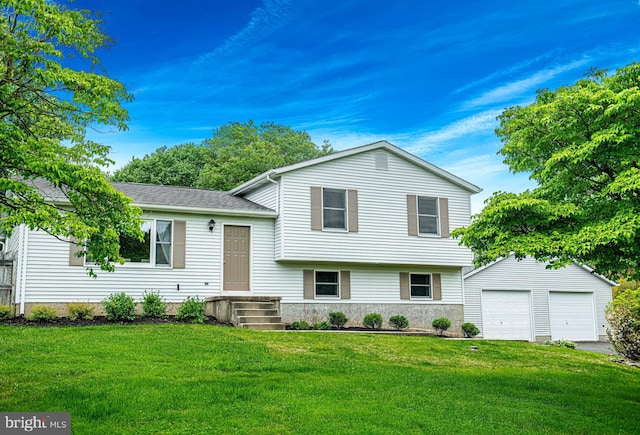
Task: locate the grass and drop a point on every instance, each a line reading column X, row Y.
column 186, row 379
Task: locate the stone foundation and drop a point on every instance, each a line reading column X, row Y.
column 420, row 316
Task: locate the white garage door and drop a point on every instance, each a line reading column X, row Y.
column 571, row 316
column 506, row 315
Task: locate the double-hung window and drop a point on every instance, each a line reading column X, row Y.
column 334, row 208
column 327, row 284
column 420, row 285
column 428, row 222
column 155, row 249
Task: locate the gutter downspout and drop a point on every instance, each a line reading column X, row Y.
column 280, row 217
column 23, row 267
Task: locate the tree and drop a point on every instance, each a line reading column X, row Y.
column 623, row 317
column 236, row 153
column 176, row 166
column 581, row 144
column 45, row 109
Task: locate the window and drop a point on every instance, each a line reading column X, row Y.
column 136, row 251
column 334, row 208
column 327, row 284
column 428, row 215
column 420, row 286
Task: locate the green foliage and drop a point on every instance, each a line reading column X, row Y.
column 623, row 316
column 236, row 153
column 323, row 326
column 153, row 305
column 45, row 111
column 42, row 313
column 301, row 325
column 373, row 321
column 399, row 322
column 560, row 343
column 80, row 310
column 119, row 307
column 470, row 330
column 192, row 310
column 581, row 144
column 5, row 311
column 441, row 324
column 338, row 319
column 176, row 166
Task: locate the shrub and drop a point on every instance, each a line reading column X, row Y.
column 373, row 321
column 79, row 310
column 560, row 343
column 623, row 315
column 192, row 310
column 338, row 319
column 399, row 322
column 441, row 324
column 470, row 330
column 119, row 307
column 153, row 305
column 5, row 311
column 300, row 326
column 42, row 313
column 324, row 325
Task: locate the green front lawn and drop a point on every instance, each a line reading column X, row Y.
column 197, row 379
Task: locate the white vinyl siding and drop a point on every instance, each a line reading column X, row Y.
column 265, row 195
column 382, row 214
column 530, row 275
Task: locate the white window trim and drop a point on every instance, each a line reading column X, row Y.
column 437, row 233
column 152, row 251
column 421, row 298
column 315, row 281
column 346, row 211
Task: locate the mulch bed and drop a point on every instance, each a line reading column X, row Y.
column 101, row 320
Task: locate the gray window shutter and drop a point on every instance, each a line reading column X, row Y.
column 345, row 284
column 353, row 210
column 316, row 208
column 74, row 248
column 179, row 244
column 444, row 217
column 412, row 215
column 436, row 286
column 404, row 286
column 308, row 284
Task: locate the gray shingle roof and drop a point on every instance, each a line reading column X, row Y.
column 171, row 197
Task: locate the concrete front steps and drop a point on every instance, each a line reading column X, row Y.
column 251, row 312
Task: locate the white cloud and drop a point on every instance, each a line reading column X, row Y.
column 478, row 167
column 508, row 91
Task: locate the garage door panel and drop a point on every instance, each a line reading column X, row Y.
column 571, row 316
column 506, row 315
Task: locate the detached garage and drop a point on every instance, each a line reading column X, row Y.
column 523, row 300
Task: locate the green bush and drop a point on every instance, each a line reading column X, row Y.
column 42, row 313
column 80, row 310
column 323, row 326
column 441, row 324
column 623, row 316
column 338, row 319
column 300, row 325
column 560, row 343
column 119, row 307
column 192, row 310
column 153, row 305
column 470, row 330
column 5, row 311
column 399, row 322
column 373, row 321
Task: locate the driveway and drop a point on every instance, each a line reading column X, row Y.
column 596, row 346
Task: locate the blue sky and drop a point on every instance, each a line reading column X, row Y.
column 428, row 76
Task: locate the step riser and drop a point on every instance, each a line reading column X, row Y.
column 259, row 319
column 254, row 306
column 263, row 326
column 255, row 312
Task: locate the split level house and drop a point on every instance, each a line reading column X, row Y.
column 358, row 231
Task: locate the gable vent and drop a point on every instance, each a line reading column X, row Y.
column 382, row 162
